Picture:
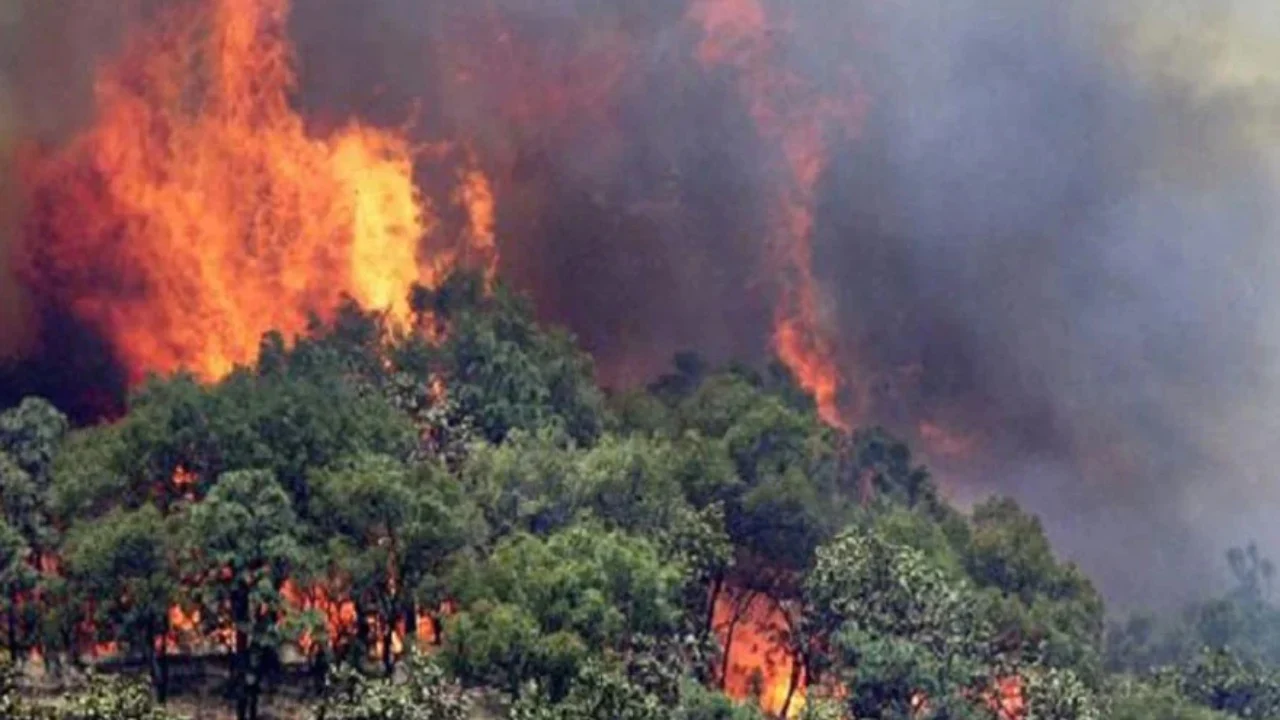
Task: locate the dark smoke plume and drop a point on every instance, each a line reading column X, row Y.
column 1052, row 240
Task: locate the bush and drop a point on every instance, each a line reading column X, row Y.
column 1141, row 701
column 113, row 698
column 426, row 694
column 601, row 692
column 1053, row 694
column 11, row 702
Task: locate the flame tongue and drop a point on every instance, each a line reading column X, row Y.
column 793, row 116
column 198, row 212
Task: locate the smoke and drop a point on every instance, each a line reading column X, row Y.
column 11, row 319
column 1067, row 235
column 1048, row 254
column 628, row 185
column 47, row 54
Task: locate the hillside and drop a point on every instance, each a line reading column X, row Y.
column 365, row 497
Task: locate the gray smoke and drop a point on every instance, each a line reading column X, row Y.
column 1053, row 235
column 47, row 54
column 1076, row 206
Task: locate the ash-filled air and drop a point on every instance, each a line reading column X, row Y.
column 1037, row 237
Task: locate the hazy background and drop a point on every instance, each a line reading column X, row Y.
column 1054, row 235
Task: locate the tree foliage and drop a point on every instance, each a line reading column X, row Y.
column 897, row 628
column 571, row 552
column 537, row 607
column 243, row 545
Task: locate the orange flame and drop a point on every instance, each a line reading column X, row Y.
column 760, row 663
column 476, row 195
column 340, row 620
column 753, row 629
column 794, row 116
column 200, row 212
column 1008, row 700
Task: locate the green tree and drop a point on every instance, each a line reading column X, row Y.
column 1244, row 621
column 526, row 484
column 782, row 459
column 17, row 577
column 536, row 607
column 1043, row 611
column 125, row 563
column 30, row 435
column 394, row 531
column 1054, row 694
column 688, row 370
column 630, row 483
column 287, row 424
column 705, row 470
column 243, row 543
column 637, row 411
column 506, row 373
column 717, row 404
column 883, row 467
column 1223, row 681
column 89, row 478
column 1131, row 700
column 893, row 627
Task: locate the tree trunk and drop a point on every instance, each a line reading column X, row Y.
column 240, row 655
column 740, row 609
column 319, row 674
column 717, row 585
column 437, row 628
column 162, row 692
column 69, row 642
column 152, row 656
column 410, row 625
column 796, row 668
column 14, row 651
column 388, row 653
column 361, row 648
column 253, row 695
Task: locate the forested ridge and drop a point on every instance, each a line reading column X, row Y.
column 391, row 527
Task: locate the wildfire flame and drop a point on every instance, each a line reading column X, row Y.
column 760, row 663
column 753, row 629
column 796, row 118
column 199, row 211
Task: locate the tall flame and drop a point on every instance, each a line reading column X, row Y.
column 794, row 116
column 199, row 211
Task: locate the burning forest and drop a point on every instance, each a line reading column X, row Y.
column 288, row 396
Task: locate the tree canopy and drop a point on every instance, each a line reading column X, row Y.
column 429, row 520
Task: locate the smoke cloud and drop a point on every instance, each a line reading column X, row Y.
column 47, row 54
column 11, row 321
column 1048, row 254
column 1069, row 234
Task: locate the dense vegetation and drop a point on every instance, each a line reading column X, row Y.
column 563, row 553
